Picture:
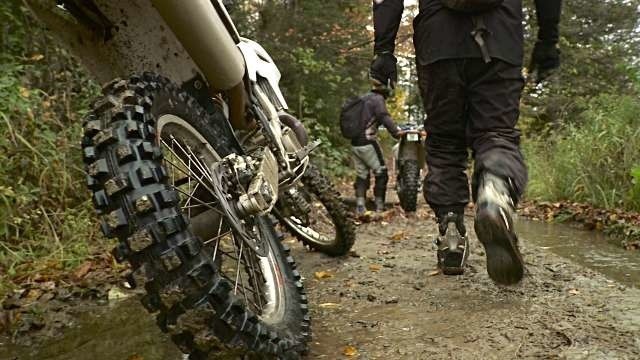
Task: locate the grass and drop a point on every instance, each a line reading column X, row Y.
column 596, row 160
column 46, row 219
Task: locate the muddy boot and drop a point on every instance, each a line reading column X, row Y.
column 452, row 244
column 494, row 227
column 379, row 204
column 380, row 189
column 360, row 206
column 361, row 186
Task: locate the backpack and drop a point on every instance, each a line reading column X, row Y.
column 352, row 121
column 471, row 6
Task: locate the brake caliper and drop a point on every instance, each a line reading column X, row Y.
column 246, row 186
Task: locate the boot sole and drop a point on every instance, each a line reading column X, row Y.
column 452, row 264
column 504, row 262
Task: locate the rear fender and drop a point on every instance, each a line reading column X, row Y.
column 412, row 151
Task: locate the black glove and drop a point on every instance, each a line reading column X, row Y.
column 384, row 69
column 545, row 59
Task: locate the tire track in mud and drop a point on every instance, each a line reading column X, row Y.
column 388, row 303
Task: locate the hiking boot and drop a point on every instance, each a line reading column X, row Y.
column 379, row 204
column 452, row 244
column 360, row 206
column 494, row 227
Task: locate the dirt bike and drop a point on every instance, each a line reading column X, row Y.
column 409, row 160
column 187, row 159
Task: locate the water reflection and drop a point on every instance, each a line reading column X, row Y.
column 588, row 248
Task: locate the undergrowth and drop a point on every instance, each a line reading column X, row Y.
column 46, row 219
column 595, row 161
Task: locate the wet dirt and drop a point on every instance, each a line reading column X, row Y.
column 390, row 303
column 386, row 301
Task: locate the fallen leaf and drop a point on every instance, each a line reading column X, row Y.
column 323, row 275
column 400, row 235
column 434, row 273
column 375, row 267
column 574, row 292
column 116, row 294
column 82, row 271
column 329, row 305
column 33, row 294
column 48, row 285
column 36, row 57
column 350, row 351
column 24, row 92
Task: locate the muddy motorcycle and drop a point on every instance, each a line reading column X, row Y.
column 409, row 160
column 187, row 162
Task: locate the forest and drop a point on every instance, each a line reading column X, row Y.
column 581, row 127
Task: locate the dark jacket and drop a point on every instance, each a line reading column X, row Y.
column 441, row 33
column 375, row 110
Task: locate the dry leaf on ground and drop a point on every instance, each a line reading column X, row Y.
column 350, row 351
column 117, row 294
column 329, row 305
column 400, row 235
column 375, row 267
column 434, row 273
column 323, row 275
column 82, row 270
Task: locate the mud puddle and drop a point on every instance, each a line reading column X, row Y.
column 588, row 248
column 386, row 301
column 122, row 330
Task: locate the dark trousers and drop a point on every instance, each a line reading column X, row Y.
column 470, row 104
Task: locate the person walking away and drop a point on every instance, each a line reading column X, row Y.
column 469, row 57
column 366, row 152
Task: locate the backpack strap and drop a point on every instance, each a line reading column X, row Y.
column 365, row 99
column 478, row 33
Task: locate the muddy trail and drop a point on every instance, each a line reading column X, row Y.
column 387, row 301
column 391, row 303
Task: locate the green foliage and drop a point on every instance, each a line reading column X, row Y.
column 45, row 216
column 596, row 162
column 599, row 43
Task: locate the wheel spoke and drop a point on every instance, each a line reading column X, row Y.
column 188, row 203
column 253, row 276
column 215, row 250
column 188, row 174
column 192, row 178
column 216, row 238
column 189, row 191
column 201, row 202
column 199, row 166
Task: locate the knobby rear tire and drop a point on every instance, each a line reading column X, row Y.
column 342, row 219
column 408, row 192
column 185, row 290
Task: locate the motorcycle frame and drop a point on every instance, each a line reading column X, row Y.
column 193, row 43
